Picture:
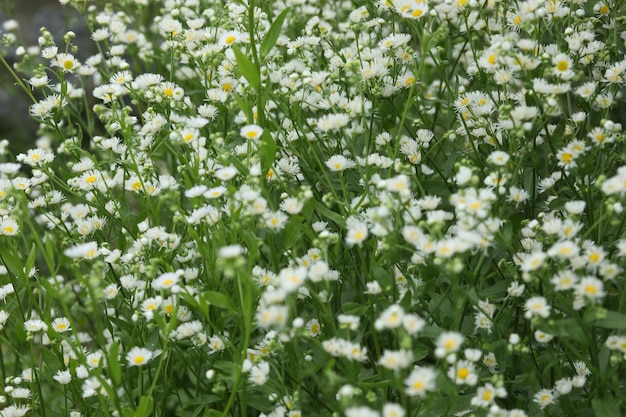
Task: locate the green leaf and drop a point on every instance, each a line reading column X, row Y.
column 293, row 232
column 430, row 332
column 385, row 278
column 12, row 263
column 420, row 351
column 611, row 320
column 205, row 399
column 128, row 412
column 251, row 242
column 328, row 213
column 219, row 300
column 499, row 288
column 248, row 69
column 437, row 37
column 606, row 407
column 245, row 107
column 51, row 360
column 273, row 33
column 145, row 406
column 500, row 351
column 355, row 309
column 30, row 261
column 267, row 150
column 113, row 364
column 564, row 329
column 212, row 413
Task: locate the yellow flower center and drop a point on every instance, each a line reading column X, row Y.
column 591, row 290
column 567, row 157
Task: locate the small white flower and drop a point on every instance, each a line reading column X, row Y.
column 448, row 342
column 63, row 377
column 226, row 173
column 61, row 324
column 338, row 163
column 251, row 132
column 231, row 251
column 34, row 325
column 537, row 306
column 138, row 356
column 87, row 250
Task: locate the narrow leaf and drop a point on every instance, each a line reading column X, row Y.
column 251, row 242
column 605, row 407
column 267, row 151
column 273, row 33
column 612, row 320
column 113, row 364
column 144, row 409
column 219, row 300
column 328, row 213
column 247, row 68
column 30, row 261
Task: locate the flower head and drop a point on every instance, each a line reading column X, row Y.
column 138, row 356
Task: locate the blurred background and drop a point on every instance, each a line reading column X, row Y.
column 15, row 123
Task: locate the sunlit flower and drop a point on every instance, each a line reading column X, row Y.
column 396, row 359
column 487, row 394
column 87, row 250
column 61, row 324
column 537, row 306
column 420, row 381
column 339, row 163
column 9, row 227
column 138, row 356
column 544, row 397
column 463, row 372
column 448, row 342
column 67, row 62
column 251, row 132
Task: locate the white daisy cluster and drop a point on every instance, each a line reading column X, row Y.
column 369, row 208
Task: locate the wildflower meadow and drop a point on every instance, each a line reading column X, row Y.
column 392, row 208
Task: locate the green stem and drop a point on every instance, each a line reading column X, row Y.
column 246, row 301
column 17, row 79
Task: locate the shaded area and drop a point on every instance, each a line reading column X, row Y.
column 15, row 122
